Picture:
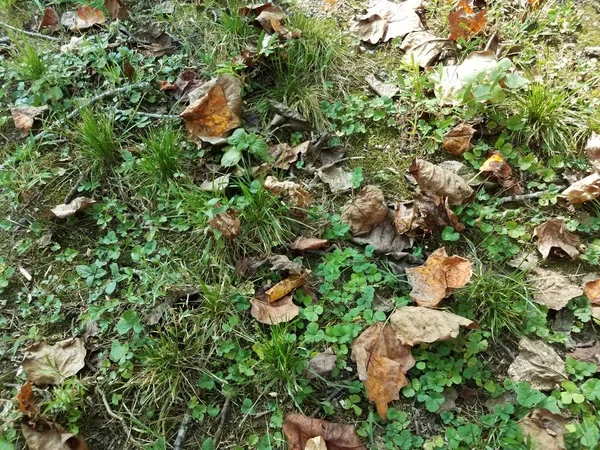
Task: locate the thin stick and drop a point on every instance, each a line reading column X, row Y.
column 30, row 33
column 519, row 198
column 114, row 415
column 152, row 115
column 222, row 417
column 71, row 194
column 327, row 166
column 185, row 423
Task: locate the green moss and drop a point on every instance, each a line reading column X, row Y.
column 590, row 19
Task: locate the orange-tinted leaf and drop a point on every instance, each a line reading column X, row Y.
column 385, row 379
column 185, row 82
column 465, row 23
column 284, row 287
column 85, row 17
column 592, row 291
column 24, row 116
column 583, row 190
column 298, row 429
column 498, row 170
column 303, row 243
column 115, row 9
column 458, row 140
column 50, row 19
column 553, row 234
column 26, row 401
column 227, row 223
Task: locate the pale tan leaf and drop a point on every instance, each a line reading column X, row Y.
column 442, row 182
column 385, row 239
column 538, row 364
column 583, row 190
column 74, row 206
column 544, row 429
column 589, row 354
column 85, row 17
column 281, row 263
column 553, row 234
column 415, row 324
column 316, row 443
column 298, row 195
column 458, row 140
column 51, row 364
column 380, row 88
column 366, row 211
column 298, row 429
column 592, row 291
column 285, row 155
column 51, row 437
column 303, row 243
column 385, row 20
column 336, row 178
column 24, row 116
column 284, row 287
column 592, row 151
column 283, row 310
column 422, row 48
column 321, row 364
column 552, row 289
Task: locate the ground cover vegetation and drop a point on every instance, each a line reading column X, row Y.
column 305, row 225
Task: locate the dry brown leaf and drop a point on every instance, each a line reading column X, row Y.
column 85, row 17
column 321, row 364
column 552, row 289
column 153, row 40
column 299, row 196
column 366, row 211
column 422, row 48
column 24, row 116
column 380, row 88
column 303, row 243
column 283, row 310
column 285, row 155
column 298, row 429
column 50, row 19
column 438, row 181
column 227, row 223
column 537, row 364
column 498, row 171
column 316, row 443
column 270, row 18
column 592, row 291
column 281, row 263
column 544, row 429
column 589, row 354
column 425, row 214
column 215, row 109
column 583, row 190
column 185, row 83
column 51, row 364
column 553, row 234
column 596, row 312
column 116, row 9
column 458, row 139
column 50, row 436
column 286, row 117
column 592, row 151
column 336, row 178
column 415, row 324
column 434, row 281
column 465, row 22
column 385, row 239
column 385, row 379
column 284, row 287
column 74, row 206
column 385, row 20
column 26, row 401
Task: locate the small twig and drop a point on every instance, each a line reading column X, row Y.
column 519, row 198
column 332, row 396
column 222, row 417
column 30, row 33
column 507, row 350
column 152, row 115
column 114, row 415
column 327, row 166
column 185, row 423
column 71, row 194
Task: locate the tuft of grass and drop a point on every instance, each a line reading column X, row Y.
column 28, row 61
column 161, row 156
column 97, row 138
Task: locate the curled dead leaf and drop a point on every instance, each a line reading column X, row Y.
column 592, row 291
column 552, row 289
column 442, row 182
column 422, row 48
column 50, row 19
column 281, row 263
column 270, row 18
column 415, row 324
column 465, row 22
column 425, row 214
column 385, row 20
column 85, row 17
column 215, row 109
column 285, row 155
column 116, row 9
column 227, row 223
column 553, row 234
column 458, row 139
column 537, row 364
column 303, row 243
column 298, row 429
column 282, row 310
column 50, row 436
column 26, row 401
column 24, row 116
column 592, row 151
column 298, row 195
column 544, row 429
column 385, row 239
column 74, row 206
column 284, row 287
column 583, row 190
column 185, row 83
column 286, row 117
column 498, row 170
column 51, row 364
column 366, row 211
column 435, row 280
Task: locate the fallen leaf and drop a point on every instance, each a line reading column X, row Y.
column 336, row 178
column 458, row 140
column 450, row 396
column 380, row 88
column 465, row 22
column 270, row 18
column 247, row 57
column 544, row 429
column 215, row 109
column 415, row 324
column 116, row 9
column 218, row 184
column 85, row 17
column 227, row 223
column 384, row 382
column 592, row 291
column 434, row 179
column 592, row 151
column 583, row 190
column 425, row 214
column 284, row 287
column 26, row 401
column 283, row 310
column 285, row 155
column 316, row 443
column 553, row 234
column 366, row 211
column 298, row 195
column 385, row 239
column 51, row 436
column 298, row 429
column 24, row 116
column 435, row 280
column 50, row 19
column 385, row 20
column 524, row 261
column 552, row 289
column 51, row 364
column 303, row 243
column 538, row 364
column 287, row 117
column 320, row 365
column 497, row 170
column 185, row 83
column 74, row 206
column 589, row 354
column 422, row 48
column 153, row 40
column 281, row 263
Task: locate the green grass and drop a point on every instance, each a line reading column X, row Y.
column 27, row 60
column 97, row 138
column 161, row 154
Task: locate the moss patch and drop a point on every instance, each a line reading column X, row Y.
column 590, row 21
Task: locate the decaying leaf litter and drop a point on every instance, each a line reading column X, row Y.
column 307, row 324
